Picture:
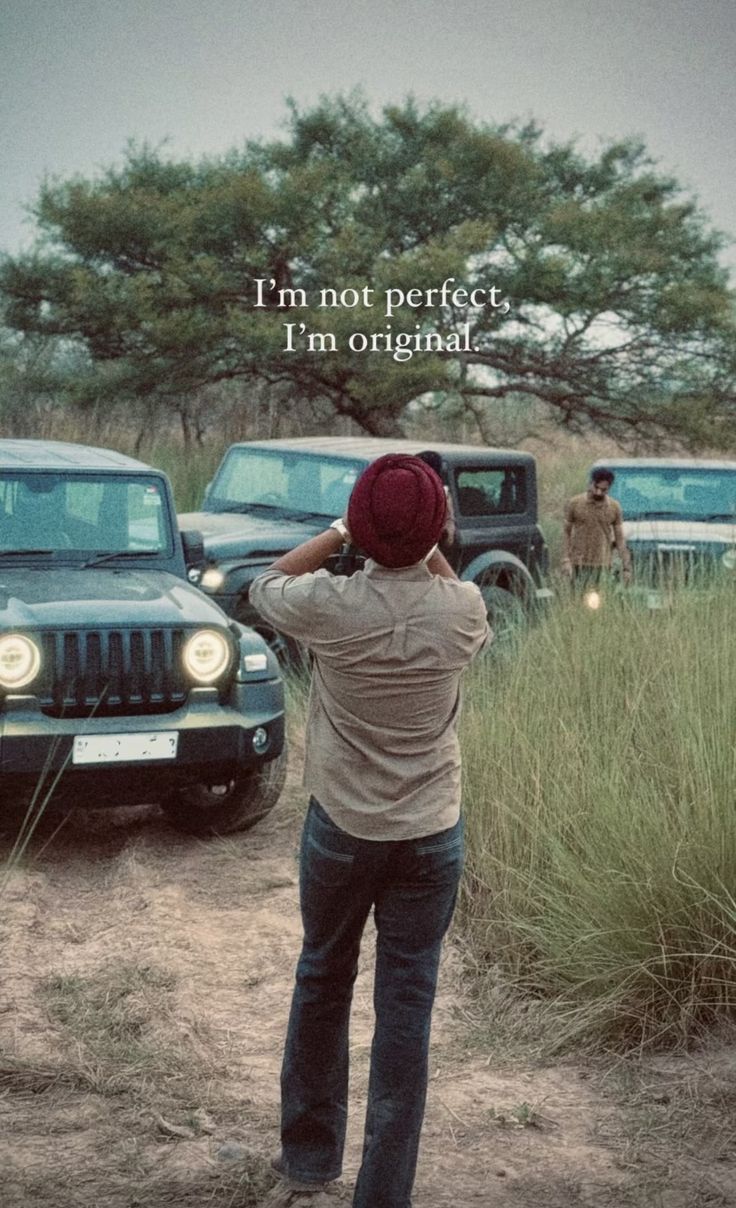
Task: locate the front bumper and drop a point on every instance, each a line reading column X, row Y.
column 214, row 743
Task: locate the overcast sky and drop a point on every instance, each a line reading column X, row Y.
column 79, row 78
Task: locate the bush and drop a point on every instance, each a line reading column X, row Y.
column 189, row 471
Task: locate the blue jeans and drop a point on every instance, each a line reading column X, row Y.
column 412, row 886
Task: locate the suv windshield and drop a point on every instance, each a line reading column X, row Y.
column 50, row 512
column 283, row 480
column 652, row 492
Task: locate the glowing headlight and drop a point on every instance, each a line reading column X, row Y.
column 20, row 660
column 206, row 656
column 729, row 559
column 212, row 579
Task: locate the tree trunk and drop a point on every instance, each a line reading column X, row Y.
column 186, row 428
column 381, row 422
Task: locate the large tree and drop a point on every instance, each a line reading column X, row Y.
column 598, row 286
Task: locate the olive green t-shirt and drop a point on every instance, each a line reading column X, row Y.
column 592, row 522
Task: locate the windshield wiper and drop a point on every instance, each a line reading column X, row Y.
column 651, row 515
column 241, row 509
column 288, row 513
column 9, row 553
column 121, row 553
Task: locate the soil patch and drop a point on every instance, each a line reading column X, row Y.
column 146, row 985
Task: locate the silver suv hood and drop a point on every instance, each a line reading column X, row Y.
column 684, row 532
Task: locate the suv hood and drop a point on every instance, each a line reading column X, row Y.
column 688, row 532
column 96, row 597
column 230, row 534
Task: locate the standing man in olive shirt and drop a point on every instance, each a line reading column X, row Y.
column 593, row 525
column 383, row 828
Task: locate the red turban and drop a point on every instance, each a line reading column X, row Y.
column 397, row 510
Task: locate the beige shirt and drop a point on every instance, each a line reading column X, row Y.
column 591, row 523
column 381, row 747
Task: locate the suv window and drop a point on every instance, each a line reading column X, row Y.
column 491, row 492
column 84, row 512
column 284, row 479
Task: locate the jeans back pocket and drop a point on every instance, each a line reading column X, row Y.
column 327, row 853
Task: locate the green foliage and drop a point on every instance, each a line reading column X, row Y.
column 34, row 374
column 599, row 773
column 189, row 474
column 619, row 313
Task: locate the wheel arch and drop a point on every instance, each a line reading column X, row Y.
column 504, row 570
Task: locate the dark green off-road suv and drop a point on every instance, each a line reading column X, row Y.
column 267, row 496
column 120, row 681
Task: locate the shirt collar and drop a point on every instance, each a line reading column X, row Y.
column 417, row 570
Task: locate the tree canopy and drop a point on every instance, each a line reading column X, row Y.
column 589, row 283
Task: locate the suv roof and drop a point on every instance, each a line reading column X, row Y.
column 674, row 463
column 370, row 447
column 62, row 455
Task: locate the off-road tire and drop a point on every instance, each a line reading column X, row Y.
column 208, row 809
column 506, row 614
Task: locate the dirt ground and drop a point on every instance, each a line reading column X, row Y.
column 146, row 979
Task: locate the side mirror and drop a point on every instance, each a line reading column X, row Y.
column 193, row 545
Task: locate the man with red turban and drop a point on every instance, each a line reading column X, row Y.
column 383, row 828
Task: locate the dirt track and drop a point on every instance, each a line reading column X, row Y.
column 146, row 985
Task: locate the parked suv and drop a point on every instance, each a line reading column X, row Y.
column 267, row 496
column 679, row 516
column 121, row 682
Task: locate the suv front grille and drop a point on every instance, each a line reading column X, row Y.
column 112, row 671
column 675, row 565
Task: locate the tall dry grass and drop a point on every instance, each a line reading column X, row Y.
column 600, row 766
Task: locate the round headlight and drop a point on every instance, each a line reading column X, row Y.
column 206, row 655
column 729, row 559
column 20, row 660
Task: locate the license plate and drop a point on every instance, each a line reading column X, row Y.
column 125, row 748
